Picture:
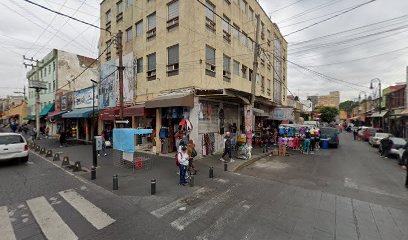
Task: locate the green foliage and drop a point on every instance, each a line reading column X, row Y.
column 348, row 106
column 328, row 114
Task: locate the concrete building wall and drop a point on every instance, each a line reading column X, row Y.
column 193, row 36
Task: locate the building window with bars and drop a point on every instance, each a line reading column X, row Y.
column 235, row 68
column 119, row 11
column 108, row 50
column 139, row 65
column 173, row 14
column 173, row 60
column 244, row 70
column 151, row 66
column 268, row 89
column 210, row 16
column 251, row 14
column 226, row 29
column 129, row 35
column 243, row 6
column 151, row 26
column 210, row 61
column 108, row 17
column 139, row 28
column 262, row 84
column 226, row 73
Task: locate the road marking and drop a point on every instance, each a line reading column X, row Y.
column 49, row 221
column 89, row 211
column 230, row 217
column 348, row 182
column 199, row 211
column 179, row 203
column 6, row 229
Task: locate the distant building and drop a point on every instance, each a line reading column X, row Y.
column 331, row 100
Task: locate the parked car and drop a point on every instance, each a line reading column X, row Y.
column 371, row 132
column 331, row 134
column 375, row 140
column 361, row 131
column 397, row 145
column 403, row 155
column 13, row 146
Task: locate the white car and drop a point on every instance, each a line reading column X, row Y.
column 13, row 146
column 375, row 140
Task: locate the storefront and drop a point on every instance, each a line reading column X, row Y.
column 78, row 124
column 45, row 125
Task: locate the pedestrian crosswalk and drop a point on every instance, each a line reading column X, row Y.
column 50, row 221
column 207, row 202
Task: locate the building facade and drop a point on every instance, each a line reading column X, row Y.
column 331, row 100
column 191, row 60
column 57, row 71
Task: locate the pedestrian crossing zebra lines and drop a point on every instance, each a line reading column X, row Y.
column 49, row 221
column 207, row 201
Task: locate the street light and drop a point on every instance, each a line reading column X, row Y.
column 94, row 154
column 379, row 91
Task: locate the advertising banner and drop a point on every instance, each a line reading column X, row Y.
column 107, row 97
column 83, row 98
column 283, row 114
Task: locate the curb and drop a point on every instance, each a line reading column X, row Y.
column 249, row 162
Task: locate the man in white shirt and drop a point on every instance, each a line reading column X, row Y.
column 183, row 160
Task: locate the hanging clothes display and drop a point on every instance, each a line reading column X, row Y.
column 208, row 144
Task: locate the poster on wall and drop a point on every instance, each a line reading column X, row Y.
column 283, row 114
column 63, row 103
column 83, row 98
column 128, row 79
column 107, row 95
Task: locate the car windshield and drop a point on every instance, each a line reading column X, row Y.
column 399, row 141
column 382, row 135
column 328, row 131
column 11, row 139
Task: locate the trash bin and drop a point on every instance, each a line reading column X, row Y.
column 325, row 143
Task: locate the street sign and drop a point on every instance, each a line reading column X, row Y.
column 98, row 140
column 122, row 121
column 37, row 84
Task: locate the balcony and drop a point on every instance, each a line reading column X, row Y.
column 226, row 75
column 172, row 69
column 151, row 33
column 119, row 17
column 210, row 69
column 172, row 23
column 226, row 36
column 210, row 24
column 151, row 74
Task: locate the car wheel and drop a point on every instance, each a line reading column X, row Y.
column 24, row 159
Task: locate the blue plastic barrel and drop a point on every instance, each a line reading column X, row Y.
column 325, row 143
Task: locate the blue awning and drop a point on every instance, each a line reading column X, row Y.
column 79, row 113
column 47, row 108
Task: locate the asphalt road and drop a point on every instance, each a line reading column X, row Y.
column 330, row 195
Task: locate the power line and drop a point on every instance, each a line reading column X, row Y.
column 329, row 18
column 289, row 5
column 62, row 14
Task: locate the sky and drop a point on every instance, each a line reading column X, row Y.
column 345, row 61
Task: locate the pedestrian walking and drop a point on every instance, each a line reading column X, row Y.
column 355, row 133
column 227, row 148
column 182, row 158
column 62, row 138
column 385, row 146
column 192, row 153
column 103, row 146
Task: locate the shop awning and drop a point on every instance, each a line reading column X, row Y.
column 138, row 111
column 378, row 114
column 109, row 114
column 47, row 108
column 79, row 113
column 56, row 115
column 173, row 100
column 404, row 112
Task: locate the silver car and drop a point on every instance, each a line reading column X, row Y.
column 375, row 140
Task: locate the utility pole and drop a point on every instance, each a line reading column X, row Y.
column 38, row 86
column 120, row 69
column 23, row 92
column 250, row 117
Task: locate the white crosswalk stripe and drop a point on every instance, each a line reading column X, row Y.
column 50, row 222
column 229, row 217
column 177, row 203
column 89, row 211
column 200, row 211
column 6, row 229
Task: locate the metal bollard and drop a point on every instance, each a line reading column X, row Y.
column 93, row 173
column 37, row 148
column 192, row 181
column 49, row 153
column 225, row 167
column 56, row 157
column 115, row 182
column 42, row 151
column 211, row 172
column 65, row 162
column 77, row 167
column 153, row 186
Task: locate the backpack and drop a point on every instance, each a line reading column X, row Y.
column 193, row 153
column 177, row 160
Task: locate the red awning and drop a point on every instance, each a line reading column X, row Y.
column 138, row 111
column 109, row 114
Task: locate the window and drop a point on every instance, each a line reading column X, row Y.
column 262, row 84
column 108, row 17
column 210, row 61
column 251, row 14
column 235, row 31
column 49, row 69
column 251, row 44
column 173, row 15
column 236, row 68
column 227, row 2
column 53, row 66
column 129, row 34
column 243, row 6
column 139, row 28
column 244, row 38
column 129, row 3
column 227, row 69
column 173, row 60
column 108, row 50
column 151, row 66
column 151, row 25
column 262, row 30
column 268, row 91
column 139, row 63
column 210, row 16
column 269, row 37
column 226, row 29
column 244, row 71
column 53, row 85
column 119, row 11
column 45, row 71
column 250, row 74
column 49, row 87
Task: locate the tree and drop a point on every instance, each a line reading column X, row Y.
column 348, row 106
column 328, row 114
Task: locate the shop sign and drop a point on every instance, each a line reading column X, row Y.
column 83, row 98
column 286, row 114
column 63, row 103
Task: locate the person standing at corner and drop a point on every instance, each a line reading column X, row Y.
column 183, row 160
column 227, row 148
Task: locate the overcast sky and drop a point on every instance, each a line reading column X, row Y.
column 353, row 58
